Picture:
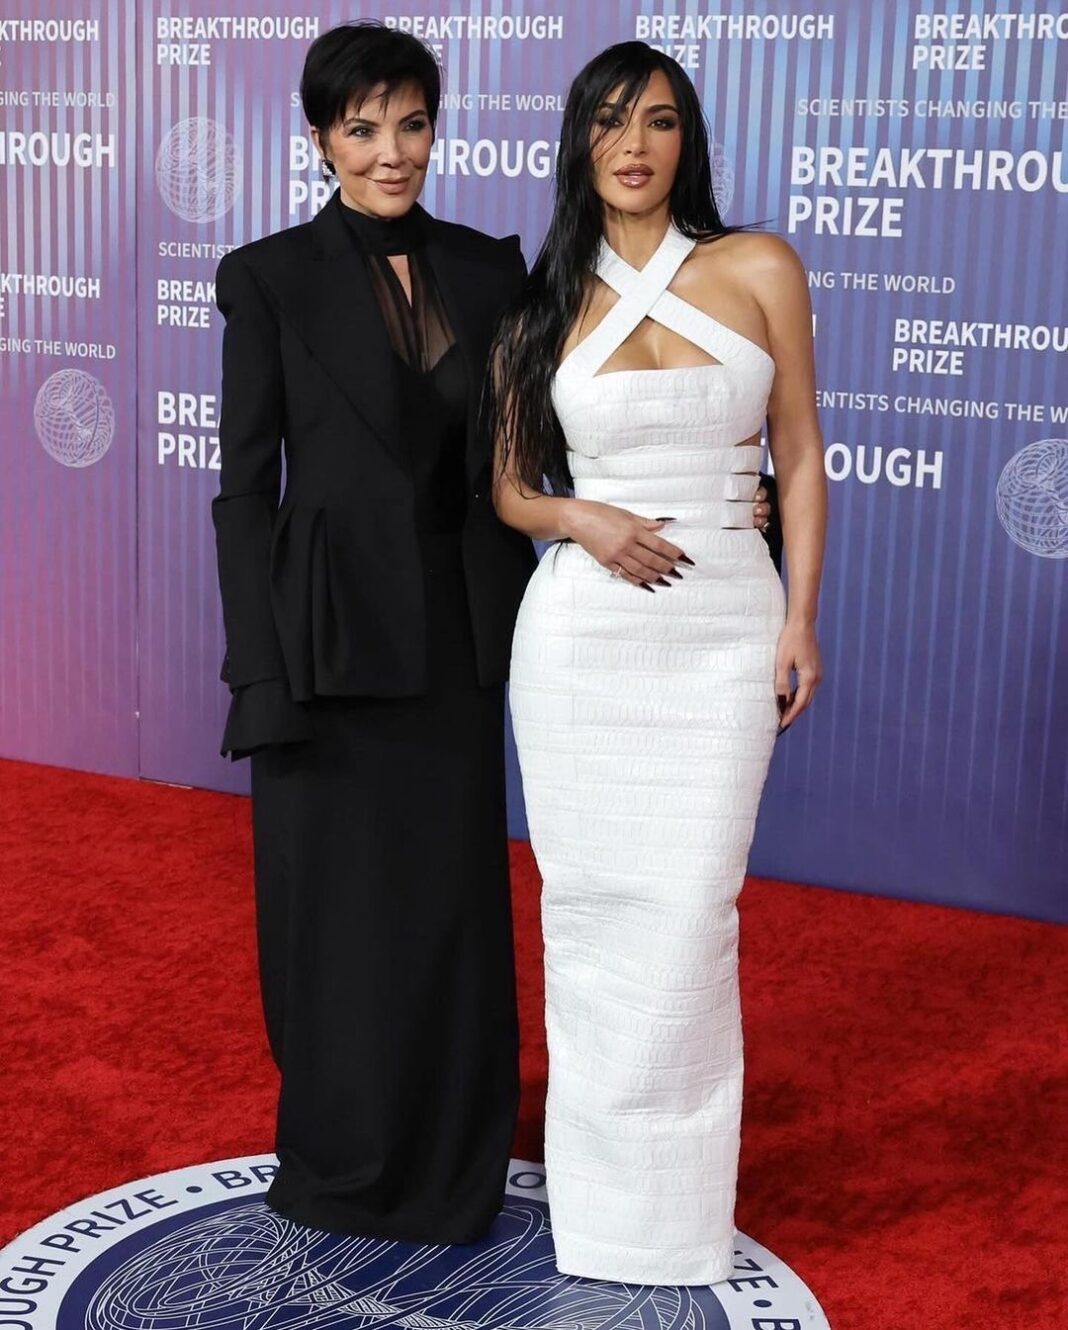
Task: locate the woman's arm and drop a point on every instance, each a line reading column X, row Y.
column 250, row 445
column 619, row 540
column 796, row 444
column 244, row 512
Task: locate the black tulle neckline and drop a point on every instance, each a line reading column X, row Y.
column 382, row 235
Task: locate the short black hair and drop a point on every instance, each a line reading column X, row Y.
column 348, row 62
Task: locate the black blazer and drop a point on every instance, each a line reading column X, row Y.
column 322, row 585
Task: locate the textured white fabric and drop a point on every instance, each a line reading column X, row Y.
column 645, row 725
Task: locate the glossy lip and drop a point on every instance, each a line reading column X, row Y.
column 393, row 186
column 634, row 177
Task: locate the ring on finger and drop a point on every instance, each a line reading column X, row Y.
column 617, row 571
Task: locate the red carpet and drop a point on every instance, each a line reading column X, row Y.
column 905, row 1142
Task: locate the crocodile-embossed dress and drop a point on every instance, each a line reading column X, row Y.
column 645, row 726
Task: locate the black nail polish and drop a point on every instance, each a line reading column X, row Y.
column 646, row 587
column 685, row 558
column 660, row 581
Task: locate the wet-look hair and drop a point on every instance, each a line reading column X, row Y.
column 531, row 337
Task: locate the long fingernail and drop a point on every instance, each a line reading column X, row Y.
column 684, row 558
column 646, row 587
column 661, row 582
column 664, row 519
column 674, row 572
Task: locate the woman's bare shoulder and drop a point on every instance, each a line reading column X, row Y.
column 756, row 255
column 757, row 265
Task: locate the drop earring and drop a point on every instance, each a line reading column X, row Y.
column 328, row 169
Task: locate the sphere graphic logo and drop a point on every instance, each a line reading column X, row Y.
column 1032, row 498
column 74, row 418
column 197, row 1249
column 198, row 170
column 247, row 1264
column 722, row 178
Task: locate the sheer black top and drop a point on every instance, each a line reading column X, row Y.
column 431, row 374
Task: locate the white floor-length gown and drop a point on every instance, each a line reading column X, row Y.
column 645, row 726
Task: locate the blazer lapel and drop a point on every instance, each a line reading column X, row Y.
column 334, row 311
column 461, row 279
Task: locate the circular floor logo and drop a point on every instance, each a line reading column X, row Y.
column 198, row 170
column 74, row 418
column 198, row 1250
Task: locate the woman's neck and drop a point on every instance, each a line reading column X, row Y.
column 384, row 235
column 353, row 206
column 635, row 237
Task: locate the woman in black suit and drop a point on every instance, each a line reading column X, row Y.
column 368, row 626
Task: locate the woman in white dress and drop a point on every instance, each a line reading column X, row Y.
column 655, row 655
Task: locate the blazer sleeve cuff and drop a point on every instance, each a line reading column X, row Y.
column 262, row 714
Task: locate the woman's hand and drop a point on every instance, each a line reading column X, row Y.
column 761, row 510
column 624, row 543
column 797, row 652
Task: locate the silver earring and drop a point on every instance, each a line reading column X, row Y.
column 327, row 169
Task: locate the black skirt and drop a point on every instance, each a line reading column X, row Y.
column 386, row 948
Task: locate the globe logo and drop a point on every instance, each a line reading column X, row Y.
column 1032, row 498
column 197, row 1249
column 74, row 418
column 722, row 178
column 198, row 170
column 247, row 1266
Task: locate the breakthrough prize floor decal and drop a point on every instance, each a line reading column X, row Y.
column 197, row 1249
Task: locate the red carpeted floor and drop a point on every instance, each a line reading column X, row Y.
column 904, row 1146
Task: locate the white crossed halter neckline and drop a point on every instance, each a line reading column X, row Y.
column 643, row 293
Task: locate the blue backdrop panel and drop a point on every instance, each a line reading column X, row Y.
column 915, row 155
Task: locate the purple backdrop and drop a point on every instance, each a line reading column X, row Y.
column 916, row 159
column 68, row 682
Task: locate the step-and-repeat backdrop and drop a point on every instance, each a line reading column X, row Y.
column 914, row 151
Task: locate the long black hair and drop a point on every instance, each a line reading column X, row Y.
column 528, row 344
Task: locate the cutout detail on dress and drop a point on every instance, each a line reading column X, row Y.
column 644, row 294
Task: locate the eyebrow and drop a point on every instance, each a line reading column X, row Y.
column 622, row 106
column 363, row 120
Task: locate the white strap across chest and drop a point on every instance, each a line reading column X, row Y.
column 643, row 294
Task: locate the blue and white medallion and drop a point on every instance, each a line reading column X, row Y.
column 197, row 1249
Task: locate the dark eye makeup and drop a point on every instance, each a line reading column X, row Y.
column 609, row 118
